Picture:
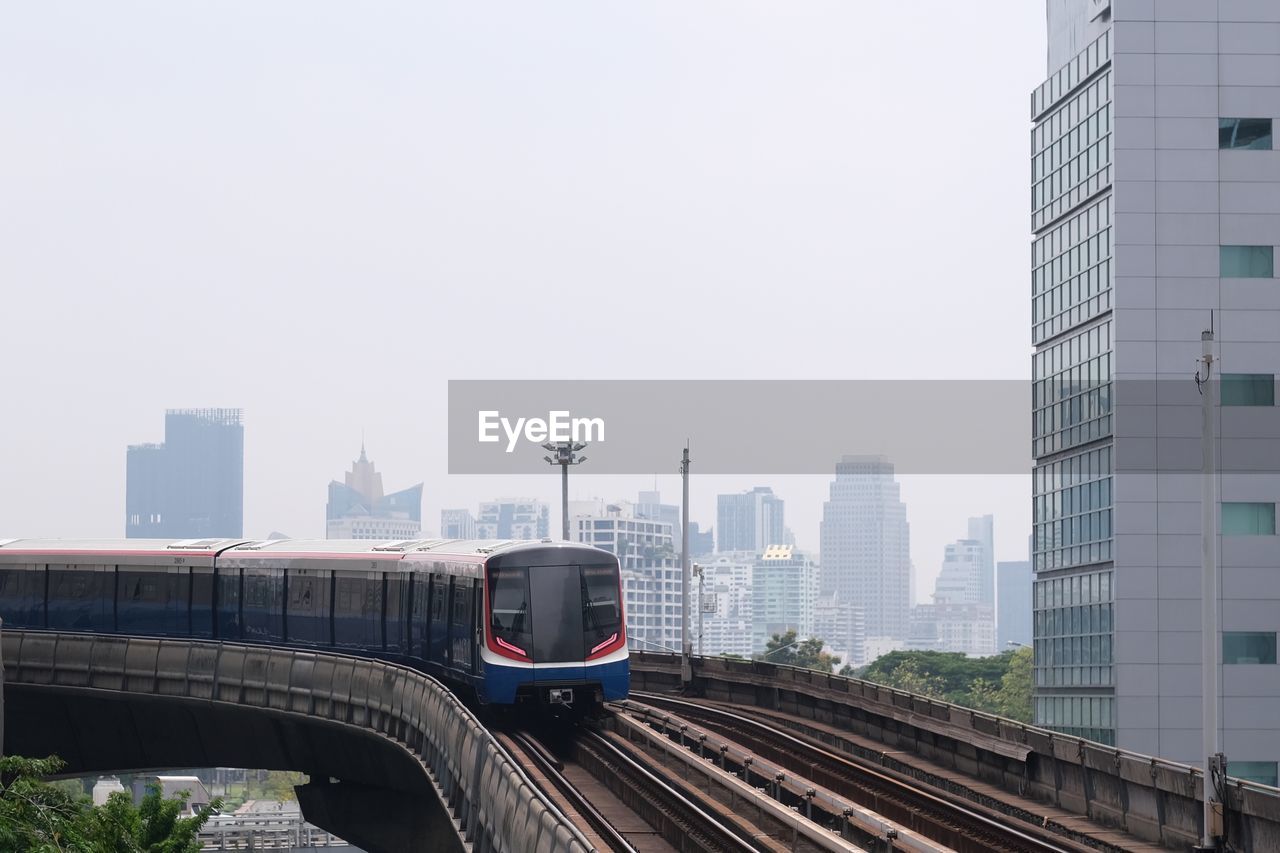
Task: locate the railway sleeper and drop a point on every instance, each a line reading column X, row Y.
column 819, row 817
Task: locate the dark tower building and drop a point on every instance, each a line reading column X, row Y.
column 192, row 485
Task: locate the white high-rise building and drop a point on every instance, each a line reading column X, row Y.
column 982, row 530
column 784, row 589
column 723, row 604
column 1155, row 201
column 866, row 544
column 958, row 620
column 513, row 518
column 843, row 627
column 457, row 524
column 960, row 580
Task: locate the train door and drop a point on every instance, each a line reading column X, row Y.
column 439, row 629
column 477, row 621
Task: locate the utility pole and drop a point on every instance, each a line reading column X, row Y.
column 686, row 648
column 700, row 572
column 1214, row 762
column 565, row 455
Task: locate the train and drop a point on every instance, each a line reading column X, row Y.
column 536, row 624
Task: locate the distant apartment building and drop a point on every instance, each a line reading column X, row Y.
column 958, row 620
column 784, row 590
column 1013, row 604
column 701, row 543
column 843, row 627
column 192, row 485
column 722, row 614
column 650, row 505
column 457, row 524
column 982, row 531
column 866, row 545
column 513, row 518
column 750, row 521
column 964, row 628
column 960, row 580
column 651, row 575
column 358, row 508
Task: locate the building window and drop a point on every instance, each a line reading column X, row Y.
column 1248, row 389
column 1244, row 133
column 1248, row 519
column 1263, row 772
column 1246, row 261
column 1248, row 647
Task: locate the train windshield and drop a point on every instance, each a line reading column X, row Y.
column 601, row 610
column 554, row 613
column 510, row 620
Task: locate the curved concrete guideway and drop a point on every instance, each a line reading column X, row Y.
column 418, row 771
column 1151, row 799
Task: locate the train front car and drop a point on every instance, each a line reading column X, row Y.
column 555, row 632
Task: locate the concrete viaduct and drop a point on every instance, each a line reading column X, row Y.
column 397, row 763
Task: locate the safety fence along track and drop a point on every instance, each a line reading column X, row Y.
column 843, row 793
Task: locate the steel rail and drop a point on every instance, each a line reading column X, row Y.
column 720, row 835
column 926, row 803
column 553, row 770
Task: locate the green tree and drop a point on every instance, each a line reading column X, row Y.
column 982, row 695
column 807, row 653
column 44, row 817
column 914, row 677
column 1015, row 686
column 279, row 785
column 35, row 815
column 999, row 684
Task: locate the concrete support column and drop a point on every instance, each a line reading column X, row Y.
column 379, row 820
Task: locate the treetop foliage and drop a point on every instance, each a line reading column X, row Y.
column 40, row 817
column 1000, row 684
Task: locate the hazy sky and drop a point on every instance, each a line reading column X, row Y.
column 321, row 212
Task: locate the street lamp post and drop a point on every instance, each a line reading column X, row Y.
column 565, row 455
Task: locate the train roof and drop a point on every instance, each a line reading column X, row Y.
column 388, row 549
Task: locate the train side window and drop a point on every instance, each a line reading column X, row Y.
column 152, row 600
column 357, row 612
column 202, row 602
column 421, row 615
column 439, row 625
column 263, row 606
column 309, row 606
column 460, row 633
column 22, row 596
column 438, row 596
column 228, row 603
column 396, row 606
column 81, row 598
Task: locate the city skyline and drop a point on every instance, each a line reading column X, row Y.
column 736, row 173
column 363, row 478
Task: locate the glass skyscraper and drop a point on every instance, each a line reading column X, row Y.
column 192, row 485
column 866, row 545
column 1155, row 212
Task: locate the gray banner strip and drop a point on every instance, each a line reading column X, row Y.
column 741, row 427
column 805, row 427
